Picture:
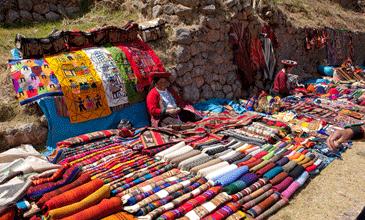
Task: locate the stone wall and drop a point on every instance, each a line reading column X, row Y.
column 12, row 11
column 199, row 54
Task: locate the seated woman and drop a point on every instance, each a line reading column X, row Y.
column 280, row 87
column 164, row 105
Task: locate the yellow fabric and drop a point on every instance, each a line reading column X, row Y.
column 81, row 86
column 92, row 199
column 119, row 216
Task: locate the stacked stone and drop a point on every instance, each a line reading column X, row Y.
column 12, row 11
column 201, row 56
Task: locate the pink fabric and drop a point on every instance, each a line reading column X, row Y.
column 291, row 190
column 283, row 184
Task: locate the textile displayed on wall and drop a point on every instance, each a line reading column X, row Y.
column 143, row 61
column 81, row 86
column 106, row 68
column 33, row 79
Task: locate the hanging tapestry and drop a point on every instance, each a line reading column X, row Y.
column 81, row 86
column 33, row 79
column 143, row 61
column 108, row 71
column 127, row 74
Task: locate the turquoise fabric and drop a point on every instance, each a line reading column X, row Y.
column 216, row 105
column 60, row 128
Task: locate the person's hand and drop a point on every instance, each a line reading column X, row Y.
column 339, row 137
column 173, row 111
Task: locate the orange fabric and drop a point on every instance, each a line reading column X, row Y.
column 99, row 211
column 8, row 215
column 119, row 216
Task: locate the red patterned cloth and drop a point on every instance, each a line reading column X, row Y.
column 143, row 61
column 84, row 178
column 56, row 175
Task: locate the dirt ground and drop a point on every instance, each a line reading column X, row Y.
column 338, row 192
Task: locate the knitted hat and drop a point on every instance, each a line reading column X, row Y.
column 154, row 75
column 289, row 63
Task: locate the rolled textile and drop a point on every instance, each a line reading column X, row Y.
column 91, row 200
column 204, row 165
column 223, row 212
column 192, row 159
column 244, row 181
column 214, row 150
column 105, row 208
column 259, row 166
column 185, row 149
column 257, row 200
column 35, row 192
column 289, row 166
column 191, row 204
column 190, row 154
column 266, row 168
column 73, row 195
column 254, row 163
column 282, row 161
column 278, row 178
column 119, row 216
column 176, row 202
column 229, row 177
column 274, row 208
column 208, row 207
column 258, row 184
column 273, row 172
column 294, row 186
column 296, row 172
column 206, row 170
column 83, row 178
column 255, row 194
column 220, row 171
column 170, row 149
column 264, row 205
column 203, row 159
column 283, row 184
column 239, row 215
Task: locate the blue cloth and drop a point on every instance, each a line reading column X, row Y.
column 60, row 128
column 216, row 105
column 232, row 176
column 317, row 81
column 325, row 70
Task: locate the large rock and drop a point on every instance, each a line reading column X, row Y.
column 12, row 16
column 72, row 11
column 199, row 81
column 52, row 16
column 183, row 36
column 183, row 11
column 41, row 8
column 184, row 80
column 156, row 11
column 38, row 17
column 169, row 8
column 182, row 54
column 61, row 9
column 227, row 89
column 2, row 17
column 207, row 92
column 191, row 93
column 26, row 16
column 208, row 78
column 53, row 7
column 183, row 68
column 198, row 71
column 230, row 3
column 213, row 23
column 25, row 5
column 213, row 35
column 198, row 60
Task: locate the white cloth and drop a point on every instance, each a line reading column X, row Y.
column 170, row 149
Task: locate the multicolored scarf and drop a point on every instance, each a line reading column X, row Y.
column 33, row 79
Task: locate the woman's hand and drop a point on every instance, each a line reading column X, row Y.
column 339, row 137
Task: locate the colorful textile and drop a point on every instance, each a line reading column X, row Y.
column 73, row 195
column 81, row 86
column 143, row 61
column 119, row 216
column 83, row 178
column 230, row 177
column 191, row 204
column 223, row 212
column 33, row 79
column 55, row 176
column 278, row 205
column 239, row 215
column 92, row 199
column 106, row 68
column 244, row 181
column 35, row 192
column 262, row 206
column 257, row 200
column 258, row 184
column 105, row 208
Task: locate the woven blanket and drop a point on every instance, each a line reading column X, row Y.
column 33, row 79
column 143, row 61
column 81, row 86
column 108, row 71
